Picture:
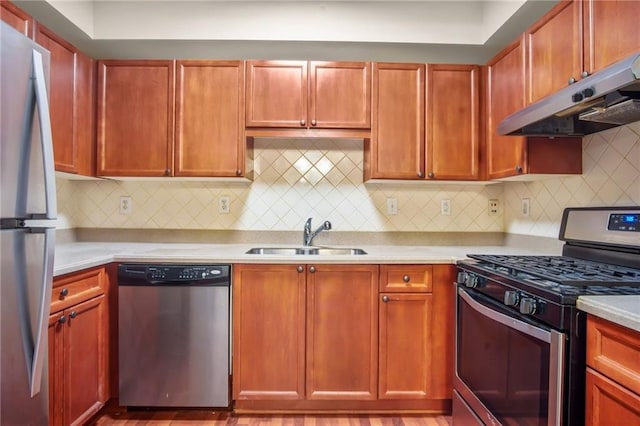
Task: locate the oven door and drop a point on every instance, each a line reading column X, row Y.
column 508, row 369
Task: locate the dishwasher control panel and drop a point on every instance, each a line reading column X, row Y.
column 159, row 274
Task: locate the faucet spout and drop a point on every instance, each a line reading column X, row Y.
column 308, row 235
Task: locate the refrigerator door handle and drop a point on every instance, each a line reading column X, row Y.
column 46, row 138
column 42, row 328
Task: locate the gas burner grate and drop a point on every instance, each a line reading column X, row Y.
column 562, row 270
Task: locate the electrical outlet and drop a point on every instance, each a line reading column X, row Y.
column 445, row 207
column 392, row 206
column 494, row 207
column 126, row 205
column 526, row 207
column 224, row 206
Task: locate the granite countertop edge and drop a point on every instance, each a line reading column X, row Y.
column 622, row 310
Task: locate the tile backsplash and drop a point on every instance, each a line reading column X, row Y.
column 322, row 178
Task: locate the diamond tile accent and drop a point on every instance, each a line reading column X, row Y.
column 296, row 179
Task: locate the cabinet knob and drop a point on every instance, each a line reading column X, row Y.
column 73, row 314
column 584, row 74
column 313, row 122
column 303, row 123
column 167, row 172
column 406, row 278
column 431, row 175
column 572, row 80
column 62, row 319
column 300, row 268
column 312, row 269
column 238, row 172
column 519, row 168
column 385, row 299
column 420, row 174
column 64, row 292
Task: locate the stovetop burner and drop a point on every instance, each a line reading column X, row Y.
column 561, row 270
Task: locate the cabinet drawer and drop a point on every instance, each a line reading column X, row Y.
column 406, row 278
column 614, row 351
column 75, row 288
column 608, row 403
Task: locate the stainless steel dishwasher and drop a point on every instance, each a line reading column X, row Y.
column 173, row 335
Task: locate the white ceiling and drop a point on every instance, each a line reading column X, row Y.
column 424, row 31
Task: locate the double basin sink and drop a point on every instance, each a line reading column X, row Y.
column 306, row 251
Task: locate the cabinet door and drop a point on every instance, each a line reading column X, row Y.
column 608, row 403
column 611, row 31
column 505, row 95
column 16, row 17
column 340, row 95
column 61, row 98
column 268, row 332
column 342, row 332
column 397, row 145
column 405, row 335
column 276, row 94
column 209, row 118
column 554, row 49
column 453, row 118
column 135, row 117
column 56, row 368
column 84, row 113
column 85, row 360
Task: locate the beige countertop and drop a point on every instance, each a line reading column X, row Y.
column 77, row 256
column 623, row 310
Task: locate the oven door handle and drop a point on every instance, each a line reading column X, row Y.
column 506, row 320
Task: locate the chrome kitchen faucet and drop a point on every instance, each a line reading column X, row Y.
column 308, row 236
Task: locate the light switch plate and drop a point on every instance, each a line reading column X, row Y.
column 392, row 206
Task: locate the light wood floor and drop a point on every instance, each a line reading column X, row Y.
column 194, row 417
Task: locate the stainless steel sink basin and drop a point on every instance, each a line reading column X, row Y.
column 318, row 251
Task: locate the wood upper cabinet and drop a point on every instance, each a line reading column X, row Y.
column 515, row 156
column 300, row 94
column 452, row 122
column 135, row 117
column 611, row 32
column 342, row 338
column 416, row 331
column 396, row 149
column 577, row 38
column 554, row 50
column 71, row 98
column 613, row 374
column 78, row 348
column 268, row 332
column 209, row 118
column 505, row 94
column 16, row 17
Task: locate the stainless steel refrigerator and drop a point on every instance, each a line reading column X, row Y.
column 27, row 229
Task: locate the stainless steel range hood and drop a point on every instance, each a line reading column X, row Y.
column 606, row 99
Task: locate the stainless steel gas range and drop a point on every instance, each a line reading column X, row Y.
column 520, row 341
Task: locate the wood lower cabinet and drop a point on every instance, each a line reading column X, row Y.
column 269, row 332
column 71, row 99
column 416, row 332
column 78, row 351
column 310, row 95
column 342, row 338
column 135, row 117
column 613, row 374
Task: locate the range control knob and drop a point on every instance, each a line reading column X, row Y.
column 472, row 281
column 528, row 305
column 461, row 277
column 511, row 298
column 588, row 92
column 577, row 97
